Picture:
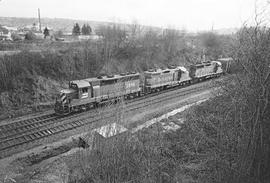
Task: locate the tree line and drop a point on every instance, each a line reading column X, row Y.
column 84, row 30
column 120, row 49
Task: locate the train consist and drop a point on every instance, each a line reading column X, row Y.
column 90, row 92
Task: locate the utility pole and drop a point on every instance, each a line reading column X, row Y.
column 39, row 20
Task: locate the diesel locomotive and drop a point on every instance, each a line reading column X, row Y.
column 90, row 92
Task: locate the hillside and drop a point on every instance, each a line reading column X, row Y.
column 62, row 24
column 56, row 23
column 66, row 25
column 32, row 76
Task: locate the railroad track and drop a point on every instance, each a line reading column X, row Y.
column 62, row 126
column 26, row 131
column 21, row 123
column 18, row 127
column 32, row 122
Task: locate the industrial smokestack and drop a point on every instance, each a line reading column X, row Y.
column 39, row 20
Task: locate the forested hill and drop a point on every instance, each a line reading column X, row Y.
column 55, row 23
column 62, row 24
column 66, row 25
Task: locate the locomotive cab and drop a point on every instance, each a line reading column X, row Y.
column 83, row 88
column 76, row 98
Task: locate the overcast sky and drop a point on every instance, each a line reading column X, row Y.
column 189, row 14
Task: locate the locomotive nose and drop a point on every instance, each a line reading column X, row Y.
column 63, row 97
column 62, row 104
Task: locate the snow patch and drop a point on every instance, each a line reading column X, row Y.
column 110, row 130
column 169, row 125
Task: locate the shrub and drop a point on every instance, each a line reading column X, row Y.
column 30, row 36
column 16, row 37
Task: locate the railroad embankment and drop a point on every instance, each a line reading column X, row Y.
column 67, row 160
column 30, row 80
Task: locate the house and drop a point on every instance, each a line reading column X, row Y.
column 33, row 28
column 11, row 29
column 5, row 34
column 89, row 37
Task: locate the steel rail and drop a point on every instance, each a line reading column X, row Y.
column 48, row 130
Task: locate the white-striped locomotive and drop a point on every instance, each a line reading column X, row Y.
column 90, row 92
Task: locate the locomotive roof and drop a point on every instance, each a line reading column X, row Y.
column 118, row 76
column 159, row 71
column 226, row 59
column 91, row 79
column 67, row 91
column 81, row 83
column 85, row 82
column 219, row 63
column 202, row 64
column 183, row 68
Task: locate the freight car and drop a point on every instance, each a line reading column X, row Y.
column 229, row 65
column 88, row 93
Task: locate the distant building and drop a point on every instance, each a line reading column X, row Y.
column 89, row 37
column 11, row 29
column 33, row 28
column 5, row 34
column 3, row 30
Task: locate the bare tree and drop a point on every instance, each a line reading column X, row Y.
column 228, row 137
column 113, row 39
